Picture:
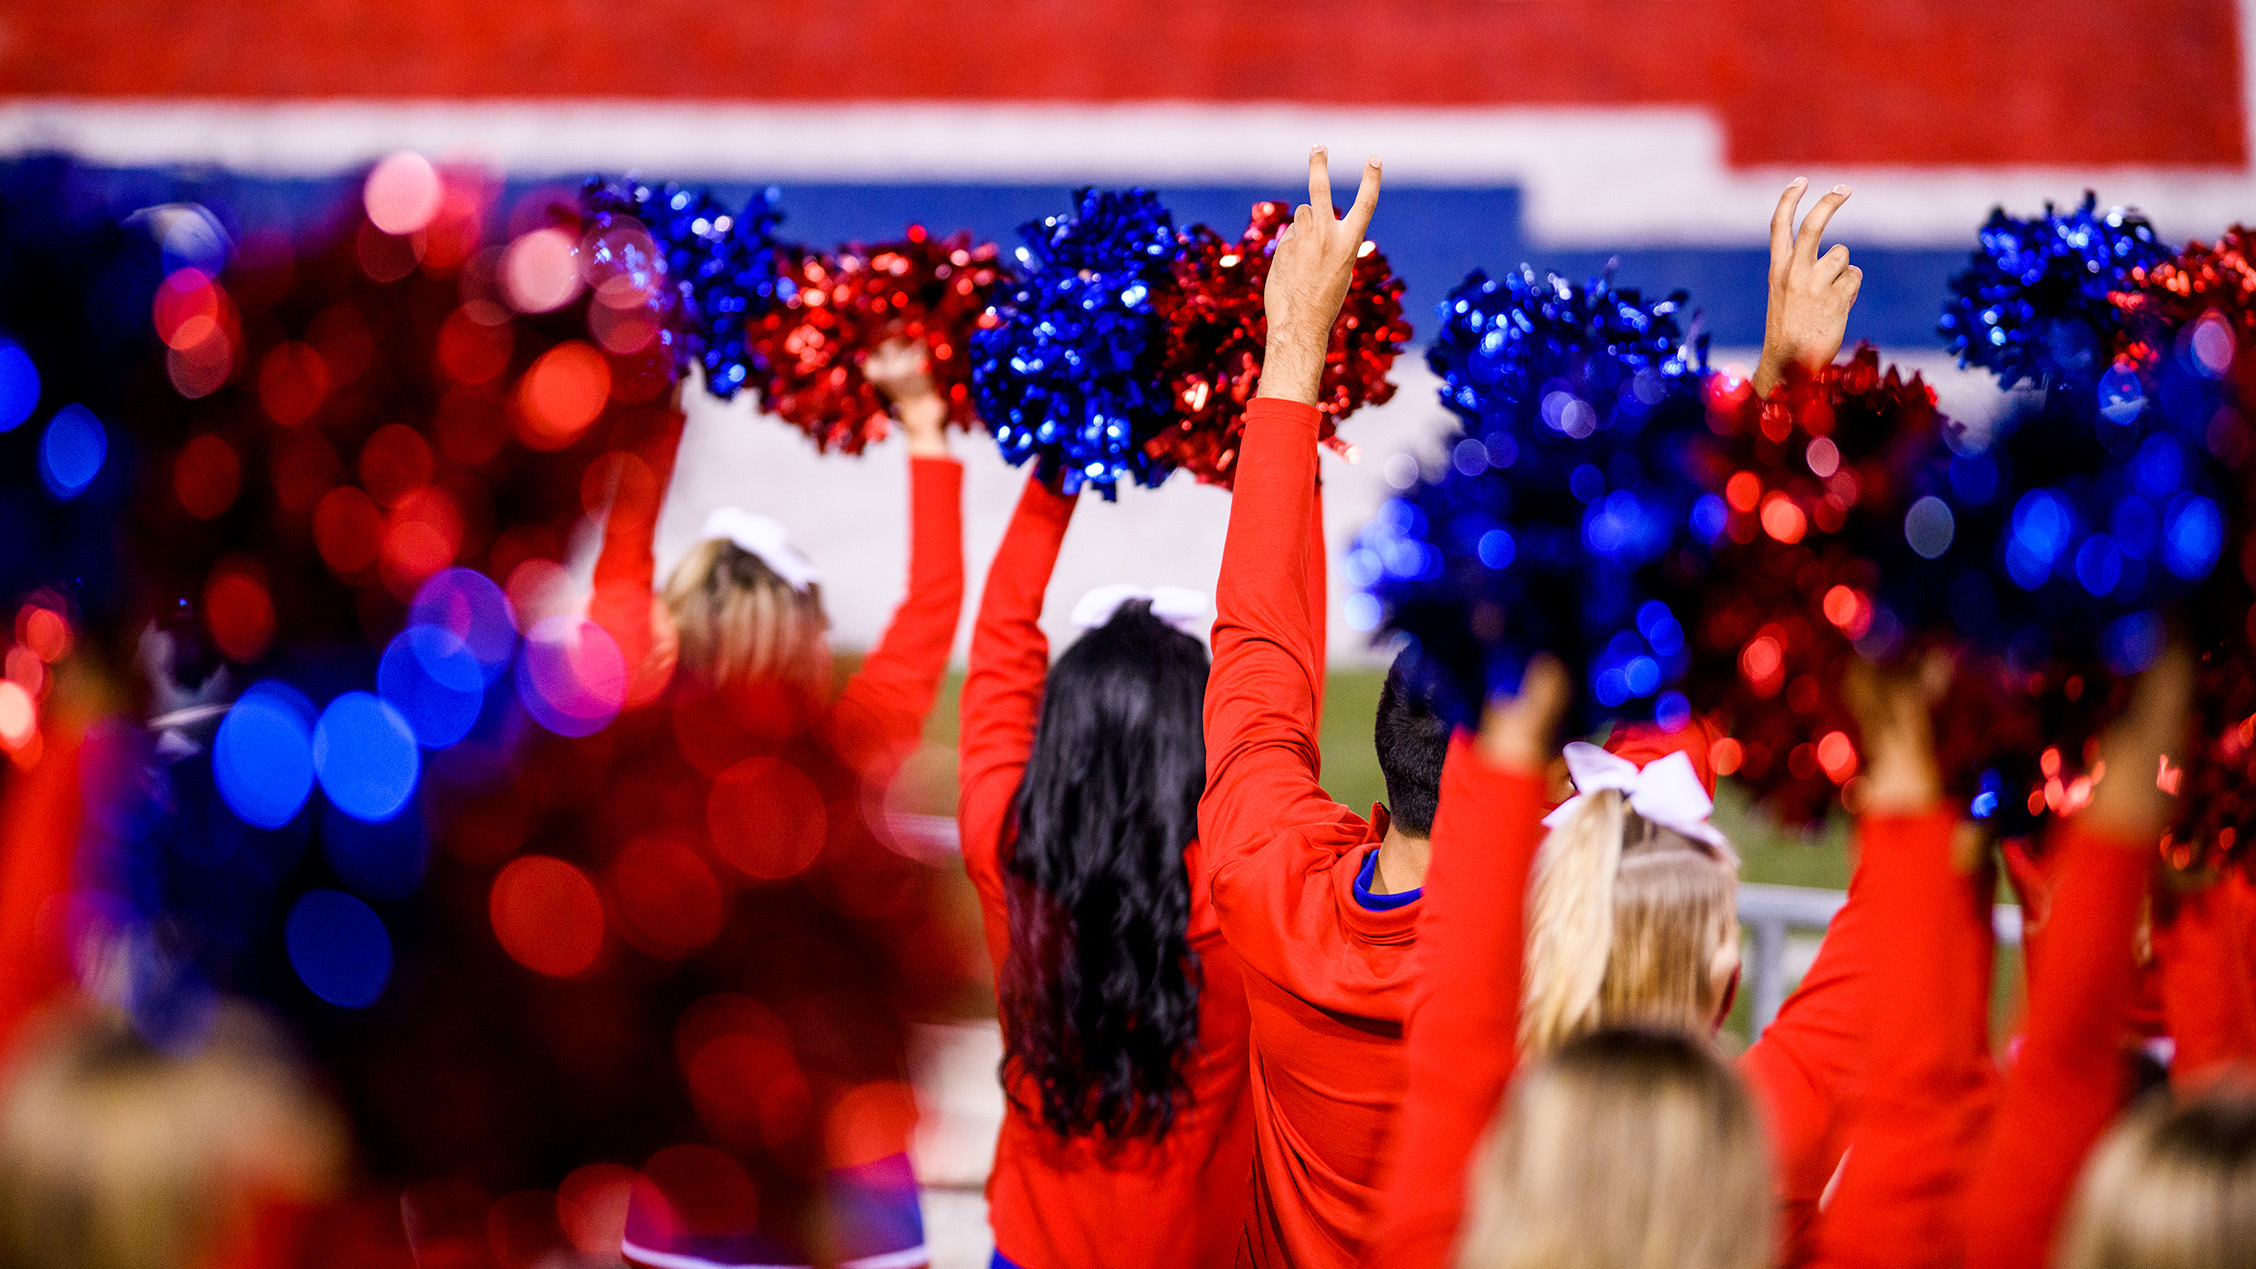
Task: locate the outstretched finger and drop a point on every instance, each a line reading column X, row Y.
column 1320, row 182
column 1366, row 199
column 1782, row 224
column 1813, row 225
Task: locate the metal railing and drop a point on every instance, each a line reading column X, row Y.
column 1768, row 914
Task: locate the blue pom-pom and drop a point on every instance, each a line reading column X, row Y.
column 720, row 270
column 2032, row 305
column 1066, row 371
column 1566, row 518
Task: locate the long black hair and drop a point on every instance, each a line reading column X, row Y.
column 1100, row 989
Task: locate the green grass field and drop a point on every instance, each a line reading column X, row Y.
column 1351, row 774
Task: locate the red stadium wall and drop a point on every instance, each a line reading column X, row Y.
column 1948, row 82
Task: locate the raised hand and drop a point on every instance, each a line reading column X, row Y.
column 1810, row 294
column 1522, row 732
column 1308, row 278
column 2128, row 798
column 899, row 369
column 1895, row 717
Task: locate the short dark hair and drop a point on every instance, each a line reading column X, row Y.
column 1412, row 739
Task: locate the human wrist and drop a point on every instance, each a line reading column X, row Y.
column 1292, row 368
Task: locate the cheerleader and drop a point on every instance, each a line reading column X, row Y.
column 1126, row 1139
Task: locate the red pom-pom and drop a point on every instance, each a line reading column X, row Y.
column 1216, row 332
column 845, row 305
column 1811, row 477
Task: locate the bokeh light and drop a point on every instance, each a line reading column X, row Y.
column 429, row 676
column 402, row 193
column 572, row 677
column 705, row 1192
column 547, row 915
column 591, row 1204
column 206, row 476
column 19, row 385
column 766, row 818
column 262, row 757
column 470, row 606
column 562, row 394
column 365, row 756
column 540, row 271
column 348, row 529
column 293, row 381
column 238, row 610
column 668, row 901
column 72, row 451
column 339, row 947
column 19, row 717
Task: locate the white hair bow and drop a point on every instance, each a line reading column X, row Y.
column 764, row 538
column 1666, row 791
column 1178, row 606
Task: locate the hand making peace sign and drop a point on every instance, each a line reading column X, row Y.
column 1810, row 294
column 1308, row 278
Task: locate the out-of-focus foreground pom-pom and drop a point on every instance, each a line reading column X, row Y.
column 842, row 306
column 2189, row 321
column 1217, row 331
column 1814, row 480
column 721, row 268
column 1566, row 518
column 1066, row 366
column 2032, row 306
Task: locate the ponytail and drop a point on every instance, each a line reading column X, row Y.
column 1629, row 923
column 1571, row 922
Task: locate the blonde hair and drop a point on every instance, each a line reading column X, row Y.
column 1628, row 922
column 115, row 1155
column 2172, row 1187
column 1624, row 1149
column 736, row 621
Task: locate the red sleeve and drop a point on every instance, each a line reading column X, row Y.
column 2070, row 1078
column 1463, row 1029
column 625, row 570
column 2206, row 993
column 1271, row 834
column 1319, row 602
column 1808, row 1065
column 40, row 817
column 1002, row 691
column 883, row 706
column 1918, row 1122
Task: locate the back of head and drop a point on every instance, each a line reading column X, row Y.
column 738, row 622
column 1100, row 990
column 2173, row 1187
column 116, row 1155
column 1629, row 923
column 1623, row 1149
column 1412, row 740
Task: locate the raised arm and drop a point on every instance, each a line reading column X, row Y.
column 1462, row 1034
column 883, row 706
column 1917, row 1122
column 2070, row 1077
column 1264, row 694
column 1002, row 692
column 625, row 569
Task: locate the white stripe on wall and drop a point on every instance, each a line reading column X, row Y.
column 1593, row 176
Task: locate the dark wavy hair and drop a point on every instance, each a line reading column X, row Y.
column 1100, row 989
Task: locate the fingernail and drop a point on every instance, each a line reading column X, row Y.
column 1374, row 160
column 1799, row 180
column 1841, row 189
column 1315, row 149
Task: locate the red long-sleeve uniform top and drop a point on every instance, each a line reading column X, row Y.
column 1060, row 1202
column 2069, row 1079
column 2202, row 971
column 1464, row 1011
column 1804, row 1071
column 1931, row 1087
column 1327, row 980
